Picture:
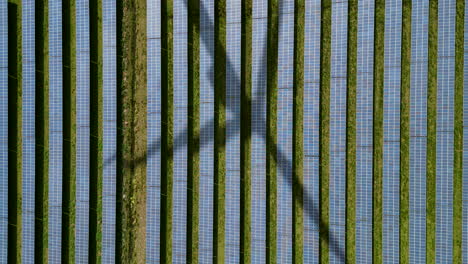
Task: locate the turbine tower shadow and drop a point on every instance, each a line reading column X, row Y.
column 284, row 164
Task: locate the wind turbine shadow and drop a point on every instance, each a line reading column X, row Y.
column 284, row 164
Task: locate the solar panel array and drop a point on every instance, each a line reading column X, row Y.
column 278, row 197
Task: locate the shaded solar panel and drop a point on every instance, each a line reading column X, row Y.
column 55, row 130
column 206, row 131
column 311, row 130
column 284, row 132
column 153, row 160
column 338, row 128
column 3, row 130
column 445, row 113
column 364, row 114
column 391, row 155
column 109, row 130
column 233, row 120
column 28, row 130
column 179, row 187
column 258, row 124
column 418, row 134
column 82, row 131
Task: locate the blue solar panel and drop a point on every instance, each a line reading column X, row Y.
column 445, row 104
column 338, row 129
column 28, row 130
column 82, row 130
column 179, row 211
column 258, row 125
column 311, row 130
column 55, row 130
column 109, row 130
column 233, row 50
column 284, row 132
column 153, row 161
column 418, row 131
column 206, row 132
column 3, row 129
column 391, row 155
column 364, row 115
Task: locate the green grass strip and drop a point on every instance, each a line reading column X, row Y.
column 69, row 130
column 458, row 134
column 298, row 130
column 14, row 132
column 245, row 136
column 405, row 111
column 193, row 144
column 271, row 147
column 324, row 123
column 131, row 132
column 42, row 132
column 219, row 130
column 96, row 132
column 377, row 151
column 166, row 130
column 431, row 134
column 351, row 81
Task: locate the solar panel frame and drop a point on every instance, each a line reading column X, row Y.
column 179, row 211
column 364, row 113
column 153, row 161
column 3, row 129
column 391, row 155
column 311, row 130
column 258, row 128
column 233, row 105
column 338, row 128
column 109, row 130
column 207, row 131
column 55, row 130
column 82, row 131
column 445, row 129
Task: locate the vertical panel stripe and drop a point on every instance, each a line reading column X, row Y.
column 109, row 146
column 55, row 134
column 337, row 146
column 364, row 114
column 311, row 130
column 445, row 131
column 83, row 124
column 206, row 132
column 391, row 126
column 153, row 216
column 3, row 130
column 179, row 212
column 233, row 123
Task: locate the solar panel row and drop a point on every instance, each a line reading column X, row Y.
column 221, row 221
